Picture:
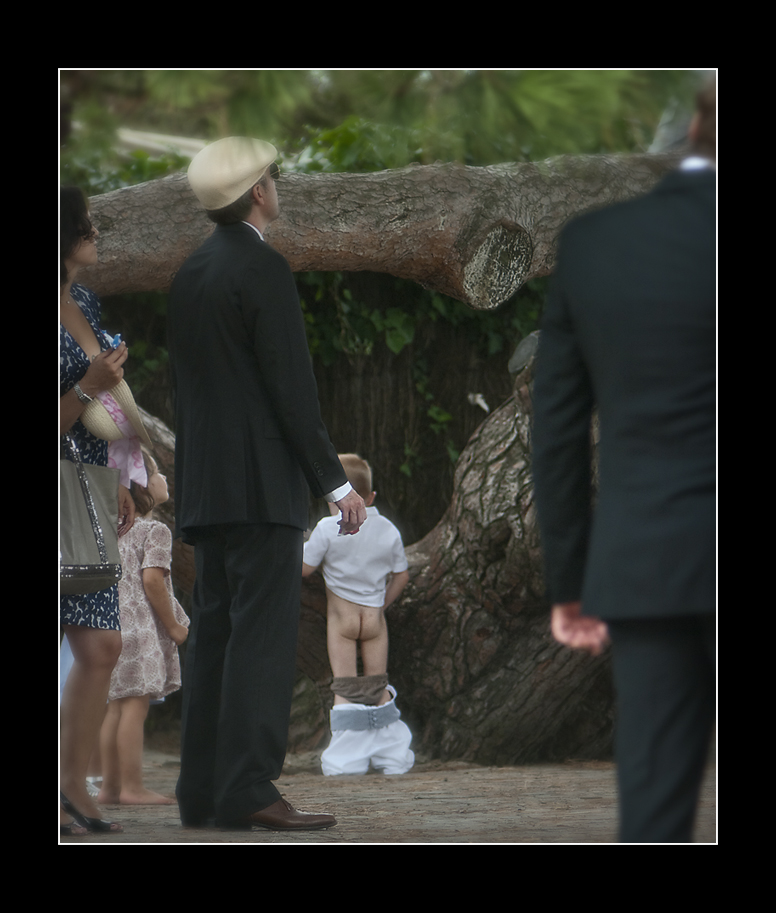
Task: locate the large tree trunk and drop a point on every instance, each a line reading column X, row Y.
column 473, row 233
column 471, row 649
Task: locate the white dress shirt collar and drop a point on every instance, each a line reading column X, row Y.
column 696, row 163
column 255, row 229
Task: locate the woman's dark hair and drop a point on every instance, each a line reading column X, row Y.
column 74, row 224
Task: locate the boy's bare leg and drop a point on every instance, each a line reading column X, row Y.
column 342, row 629
column 374, row 645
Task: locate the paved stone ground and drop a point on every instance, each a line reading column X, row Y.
column 435, row 803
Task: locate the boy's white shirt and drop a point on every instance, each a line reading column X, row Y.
column 356, row 568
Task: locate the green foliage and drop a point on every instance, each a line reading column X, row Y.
column 439, row 419
column 216, row 103
column 358, row 145
column 359, row 121
column 95, row 172
column 483, row 117
column 477, row 117
column 340, row 325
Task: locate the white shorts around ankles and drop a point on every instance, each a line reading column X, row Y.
column 378, row 738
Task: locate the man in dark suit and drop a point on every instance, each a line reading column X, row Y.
column 250, row 446
column 629, row 329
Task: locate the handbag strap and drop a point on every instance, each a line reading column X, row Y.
column 70, row 444
column 68, row 449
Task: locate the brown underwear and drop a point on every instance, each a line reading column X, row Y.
column 361, row 689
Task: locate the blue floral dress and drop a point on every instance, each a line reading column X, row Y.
column 101, row 609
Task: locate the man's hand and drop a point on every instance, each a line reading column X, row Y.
column 580, row 632
column 353, row 513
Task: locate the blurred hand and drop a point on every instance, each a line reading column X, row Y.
column 580, row 632
column 353, row 513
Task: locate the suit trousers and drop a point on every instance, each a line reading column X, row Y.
column 239, row 670
column 665, row 679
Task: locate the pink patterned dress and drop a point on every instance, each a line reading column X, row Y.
column 149, row 662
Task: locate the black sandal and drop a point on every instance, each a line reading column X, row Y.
column 95, row 825
column 72, row 830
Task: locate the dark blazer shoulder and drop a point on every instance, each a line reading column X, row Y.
column 239, row 241
column 687, row 179
column 237, row 235
column 244, row 234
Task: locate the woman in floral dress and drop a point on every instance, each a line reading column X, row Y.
column 88, row 366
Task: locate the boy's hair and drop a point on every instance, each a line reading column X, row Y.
column 359, row 473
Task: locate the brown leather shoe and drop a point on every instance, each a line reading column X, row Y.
column 282, row 816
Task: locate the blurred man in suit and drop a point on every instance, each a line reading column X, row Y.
column 250, row 446
column 630, row 330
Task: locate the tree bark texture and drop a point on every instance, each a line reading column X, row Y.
column 473, row 233
column 471, row 649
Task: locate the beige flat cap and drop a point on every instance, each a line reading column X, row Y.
column 220, row 173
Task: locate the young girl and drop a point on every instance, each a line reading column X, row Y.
column 153, row 625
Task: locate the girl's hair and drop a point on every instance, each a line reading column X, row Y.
column 75, row 225
column 142, row 497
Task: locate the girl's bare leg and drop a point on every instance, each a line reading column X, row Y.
column 83, row 707
column 126, row 754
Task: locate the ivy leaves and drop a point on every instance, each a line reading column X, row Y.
column 338, row 324
column 398, row 327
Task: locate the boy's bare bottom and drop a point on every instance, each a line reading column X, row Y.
column 347, row 626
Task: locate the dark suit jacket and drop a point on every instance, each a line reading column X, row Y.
column 630, row 328
column 250, row 441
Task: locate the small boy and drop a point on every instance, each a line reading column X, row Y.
column 364, row 574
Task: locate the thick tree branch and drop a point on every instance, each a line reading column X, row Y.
column 476, row 234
